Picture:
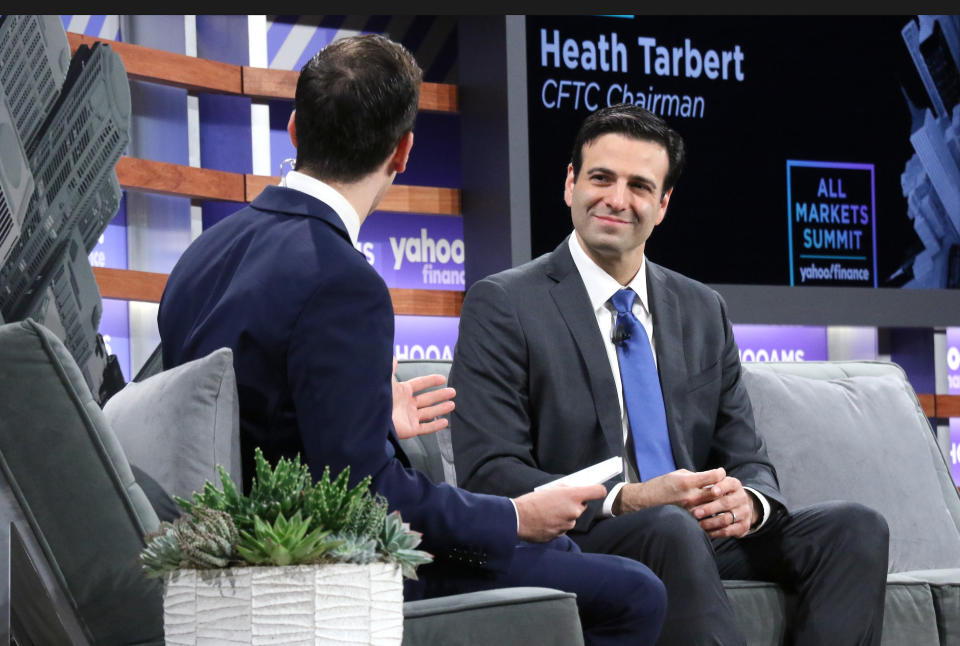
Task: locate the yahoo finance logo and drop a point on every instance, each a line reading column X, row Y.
column 832, row 227
column 415, row 251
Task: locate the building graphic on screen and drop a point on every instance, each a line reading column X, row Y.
column 931, row 179
column 63, row 124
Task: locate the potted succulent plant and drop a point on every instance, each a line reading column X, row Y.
column 293, row 562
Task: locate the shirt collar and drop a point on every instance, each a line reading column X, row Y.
column 329, row 196
column 600, row 285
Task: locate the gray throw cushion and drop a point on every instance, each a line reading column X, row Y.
column 858, row 439
column 179, row 424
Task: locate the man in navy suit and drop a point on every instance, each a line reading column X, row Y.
column 311, row 327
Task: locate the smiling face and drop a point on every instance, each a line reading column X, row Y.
column 617, row 199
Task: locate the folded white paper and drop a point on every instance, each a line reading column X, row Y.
column 595, row 474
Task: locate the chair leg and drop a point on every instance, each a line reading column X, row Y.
column 34, row 609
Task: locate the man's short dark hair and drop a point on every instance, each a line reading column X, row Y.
column 637, row 123
column 355, row 99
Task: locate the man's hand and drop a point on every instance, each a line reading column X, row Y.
column 416, row 415
column 548, row 513
column 731, row 513
column 683, row 488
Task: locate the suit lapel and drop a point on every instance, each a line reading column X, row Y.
column 671, row 364
column 572, row 301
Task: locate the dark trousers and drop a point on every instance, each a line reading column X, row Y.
column 620, row 601
column 832, row 555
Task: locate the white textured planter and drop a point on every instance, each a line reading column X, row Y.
column 304, row 604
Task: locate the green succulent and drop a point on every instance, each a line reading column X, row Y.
column 207, row 539
column 287, row 519
column 285, row 542
column 397, row 541
column 355, row 549
column 203, row 539
column 273, row 492
column 365, row 516
column 162, row 553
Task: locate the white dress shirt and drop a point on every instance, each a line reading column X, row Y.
column 329, row 196
column 601, row 287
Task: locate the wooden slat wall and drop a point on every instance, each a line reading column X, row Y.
column 202, row 75
column 127, row 284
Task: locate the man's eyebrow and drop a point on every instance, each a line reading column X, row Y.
column 633, row 178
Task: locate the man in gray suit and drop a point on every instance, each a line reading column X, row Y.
column 592, row 352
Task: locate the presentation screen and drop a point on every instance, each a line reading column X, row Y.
column 821, row 151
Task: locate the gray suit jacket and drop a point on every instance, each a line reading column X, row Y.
column 536, row 398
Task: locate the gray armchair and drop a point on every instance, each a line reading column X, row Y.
column 73, row 516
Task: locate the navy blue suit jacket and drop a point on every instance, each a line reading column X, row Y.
column 310, row 323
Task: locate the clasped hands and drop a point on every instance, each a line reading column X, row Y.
column 719, row 502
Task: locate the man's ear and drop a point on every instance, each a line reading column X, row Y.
column 402, row 154
column 664, row 201
column 292, row 129
column 568, row 185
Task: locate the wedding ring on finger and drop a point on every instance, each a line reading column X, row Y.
column 733, row 516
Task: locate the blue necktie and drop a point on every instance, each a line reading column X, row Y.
column 641, row 391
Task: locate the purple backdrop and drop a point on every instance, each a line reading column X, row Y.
column 953, row 388
column 111, row 251
column 781, row 342
column 425, row 337
column 953, row 360
column 955, row 449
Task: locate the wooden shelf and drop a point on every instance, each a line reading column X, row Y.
column 205, row 184
column 178, row 70
column 426, row 302
column 400, row 197
column 948, row 406
column 262, row 83
column 130, row 285
column 940, row 406
column 204, row 75
column 421, row 199
column 929, row 404
column 183, row 181
column 439, row 97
